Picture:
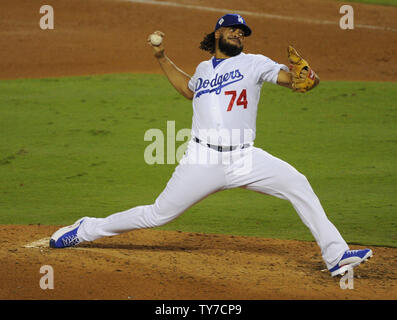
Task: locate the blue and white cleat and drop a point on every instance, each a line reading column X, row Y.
column 66, row 236
column 350, row 259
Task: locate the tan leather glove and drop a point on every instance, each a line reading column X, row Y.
column 303, row 77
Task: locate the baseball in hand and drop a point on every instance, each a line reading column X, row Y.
column 155, row 39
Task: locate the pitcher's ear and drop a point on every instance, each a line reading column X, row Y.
column 217, row 34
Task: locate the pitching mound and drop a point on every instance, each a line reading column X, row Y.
column 160, row 265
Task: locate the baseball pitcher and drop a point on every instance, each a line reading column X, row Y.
column 221, row 155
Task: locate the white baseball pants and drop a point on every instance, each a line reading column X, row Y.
column 203, row 171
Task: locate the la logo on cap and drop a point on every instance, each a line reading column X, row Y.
column 240, row 19
column 221, row 21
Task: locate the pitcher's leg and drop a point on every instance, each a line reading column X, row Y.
column 188, row 185
column 278, row 178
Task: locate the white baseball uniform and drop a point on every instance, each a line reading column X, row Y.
column 221, row 156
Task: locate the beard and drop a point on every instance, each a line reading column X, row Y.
column 229, row 49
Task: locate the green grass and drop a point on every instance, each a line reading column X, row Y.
column 377, row 2
column 73, row 147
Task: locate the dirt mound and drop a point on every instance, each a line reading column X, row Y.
column 161, row 265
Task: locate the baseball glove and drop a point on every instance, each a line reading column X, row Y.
column 303, row 77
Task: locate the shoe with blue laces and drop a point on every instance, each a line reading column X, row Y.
column 350, row 259
column 66, row 236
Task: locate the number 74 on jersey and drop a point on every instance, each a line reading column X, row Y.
column 241, row 100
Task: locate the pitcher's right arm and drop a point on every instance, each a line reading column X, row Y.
column 177, row 77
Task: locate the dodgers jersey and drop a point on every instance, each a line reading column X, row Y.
column 226, row 96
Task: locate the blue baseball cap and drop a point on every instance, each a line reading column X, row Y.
column 229, row 20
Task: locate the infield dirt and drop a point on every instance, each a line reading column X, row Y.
column 99, row 36
column 152, row 264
